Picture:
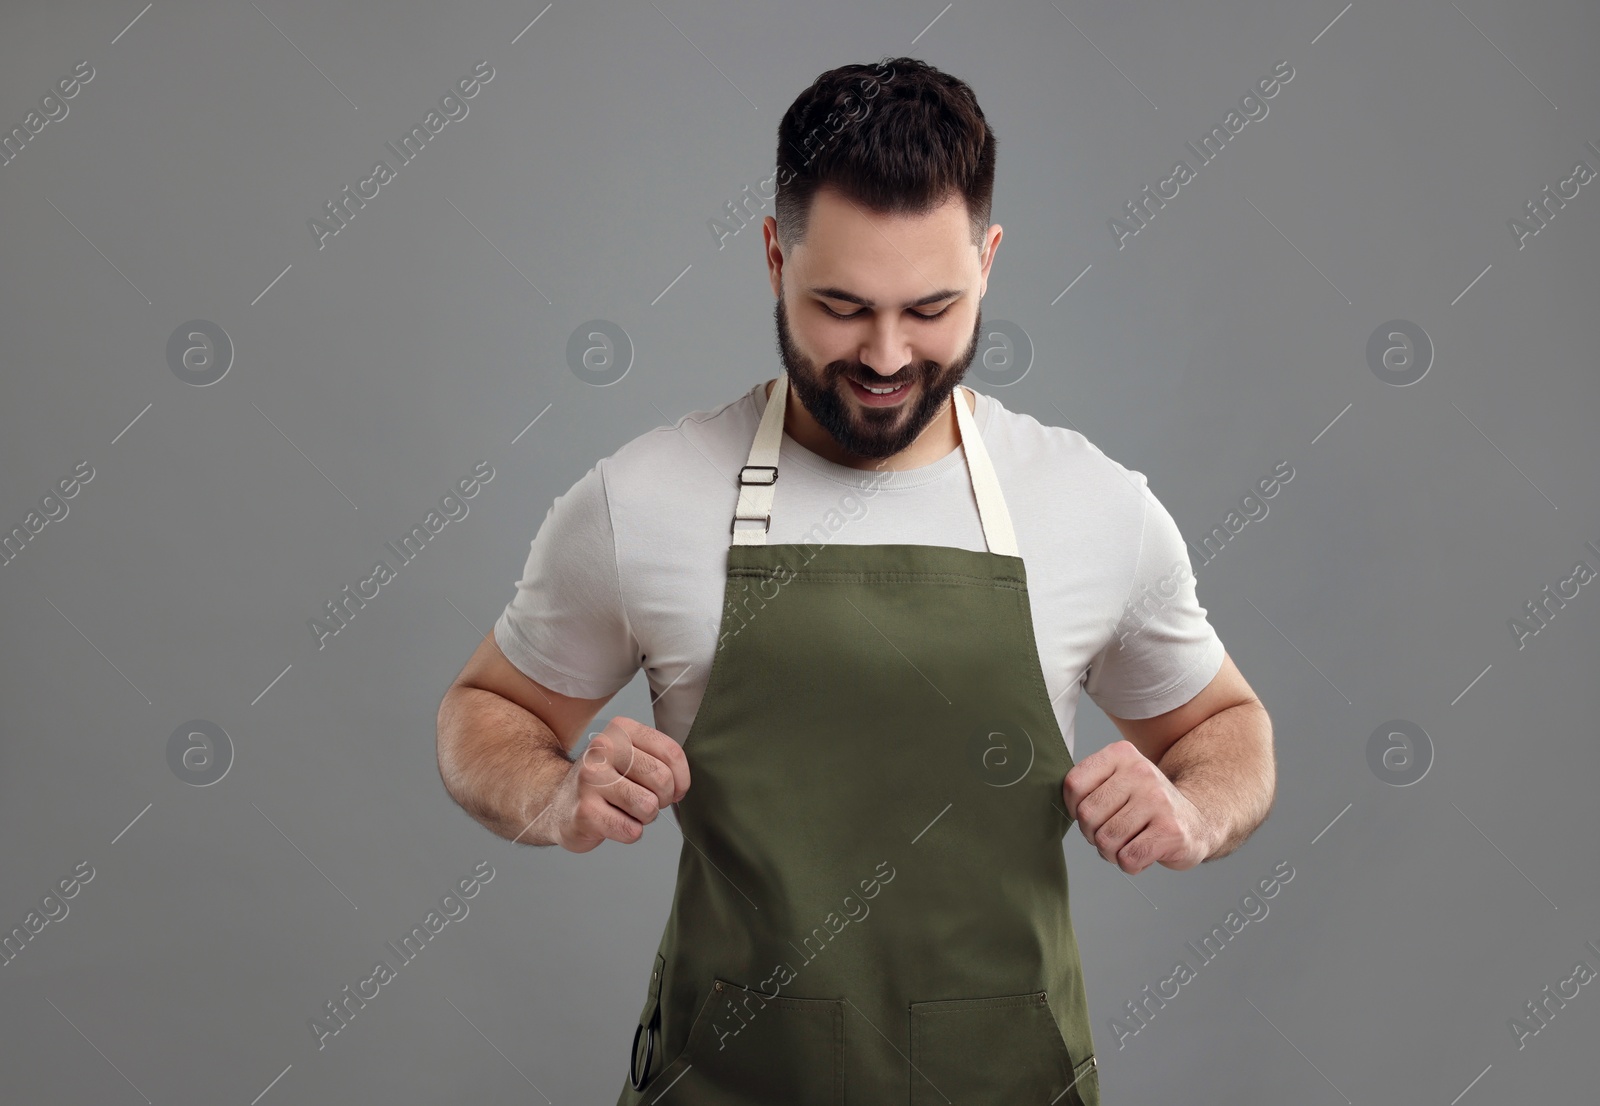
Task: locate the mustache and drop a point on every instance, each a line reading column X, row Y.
column 872, row 380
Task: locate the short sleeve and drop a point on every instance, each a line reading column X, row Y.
column 566, row 626
column 1163, row 651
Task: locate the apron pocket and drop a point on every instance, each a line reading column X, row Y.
column 1001, row 1050
column 745, row 1047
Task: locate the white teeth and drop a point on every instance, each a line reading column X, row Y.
column 884, row 391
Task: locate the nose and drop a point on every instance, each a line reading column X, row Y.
column 887, row 348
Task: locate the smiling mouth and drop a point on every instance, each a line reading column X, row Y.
column 880, row 395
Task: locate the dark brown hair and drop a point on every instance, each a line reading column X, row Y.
column 898, row 138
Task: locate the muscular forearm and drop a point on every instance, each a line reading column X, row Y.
column 1226, row 768
column 501, row 763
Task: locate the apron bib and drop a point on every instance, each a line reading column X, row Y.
column 871, row 904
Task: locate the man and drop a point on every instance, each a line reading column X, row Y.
column 869, row 753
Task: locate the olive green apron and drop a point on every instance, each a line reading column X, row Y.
column 871, row 904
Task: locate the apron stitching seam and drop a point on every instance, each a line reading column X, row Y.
column 872, row 576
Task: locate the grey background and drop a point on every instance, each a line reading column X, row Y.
column 1229, row 335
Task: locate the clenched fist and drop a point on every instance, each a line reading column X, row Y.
column 1132, row 813
column 628, row 773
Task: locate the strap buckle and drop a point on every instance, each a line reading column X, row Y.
column 773, row 479
column 765, row 520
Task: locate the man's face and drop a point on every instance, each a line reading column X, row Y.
column 911, row 286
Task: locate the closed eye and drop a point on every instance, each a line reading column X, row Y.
column 858, row 314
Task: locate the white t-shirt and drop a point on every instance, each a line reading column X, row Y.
column 627, row 569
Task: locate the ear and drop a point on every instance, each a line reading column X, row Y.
column 991, row 244
column 774, row 254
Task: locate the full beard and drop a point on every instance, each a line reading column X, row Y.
column 873, row 433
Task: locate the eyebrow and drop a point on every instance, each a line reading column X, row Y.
column 832, row 293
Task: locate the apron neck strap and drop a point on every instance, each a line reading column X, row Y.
column 760, row 474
